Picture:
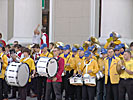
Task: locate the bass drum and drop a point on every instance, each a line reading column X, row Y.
column 47, row 67
column 17, row 74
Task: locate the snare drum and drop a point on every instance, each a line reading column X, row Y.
column 76, row 81
column 89, row 80
column 99, row 75
column 17, row 74
column 47, row 67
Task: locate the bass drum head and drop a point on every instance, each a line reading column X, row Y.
column 52, row 68
column 23, row 75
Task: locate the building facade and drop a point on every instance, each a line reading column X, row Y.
column 70, row 21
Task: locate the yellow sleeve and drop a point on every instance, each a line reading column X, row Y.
column 5, row 61
column 50, row 55
column 95, row 67
column 106, row 45
column 117, row 42
column 81, row 67
column 72, row 63
column 32, row 65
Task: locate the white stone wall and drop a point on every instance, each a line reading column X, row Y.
column 117, row 15
column 71, row 20
column 3, row 18
column 27, row 15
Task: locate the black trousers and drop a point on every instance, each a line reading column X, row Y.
column 126, row 86
column 88, row 92
column 69, row 89
column 111, row 91
column 56, row 86
column 41, row 87
column 23, row 92
column 101, row 91
column 32, row 86
column 14, row 90
column 3, row 89
column 78, row 91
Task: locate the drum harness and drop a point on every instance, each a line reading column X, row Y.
column 26, row 60
column 66, row 65
column 88, row 63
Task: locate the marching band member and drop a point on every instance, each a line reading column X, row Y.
column 17, row 48
column 91, row 50
column 55, row 82
column 67, row 70
column 122, row 48
column 113, row 40
column 7, row 52
column 36, row 36
column 60, row 50
column 2, row 41
column 89, row 66
column 73, row 66
column 117, row 52
column 101, row 93
column 80, row 59
column 44, row 37
column 31, row 64
column 3, row 84
column 111, row 75
column 42, row 80
column 125, row 69
column 35, row 57
column 131, row 47
column 37, row 52
column 14, row 88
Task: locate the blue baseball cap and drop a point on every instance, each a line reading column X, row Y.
column 68, row 46
column 111, row 34
column 43, row 46
column 60, row 47
column 74, row 49
column 81, row 48
column 103, row 51
column 1, row 45
column 91, row 48
column 121, row 45
column 117, row 47
column 87, row 53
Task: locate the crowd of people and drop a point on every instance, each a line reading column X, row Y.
column 114, row 61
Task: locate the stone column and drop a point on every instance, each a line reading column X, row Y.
column 117, row 15
column 26, row 15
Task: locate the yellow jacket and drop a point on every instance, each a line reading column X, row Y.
column 93, row 66
column 129, row 66
column 114, row 76
column 4, row 65
column 101, row 65
column 31, row 64
column 46, row 55
column 78, row 62
column 67, row 60
column 117, row 42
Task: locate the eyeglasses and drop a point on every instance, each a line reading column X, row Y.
column 55, row 50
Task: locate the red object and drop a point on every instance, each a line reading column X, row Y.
column 3, row 42
column 47, row 40
column 8, row 55
column 60, row 71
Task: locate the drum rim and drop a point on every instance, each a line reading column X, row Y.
column 47, row 69
column 18, row 85
column 28, row 77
